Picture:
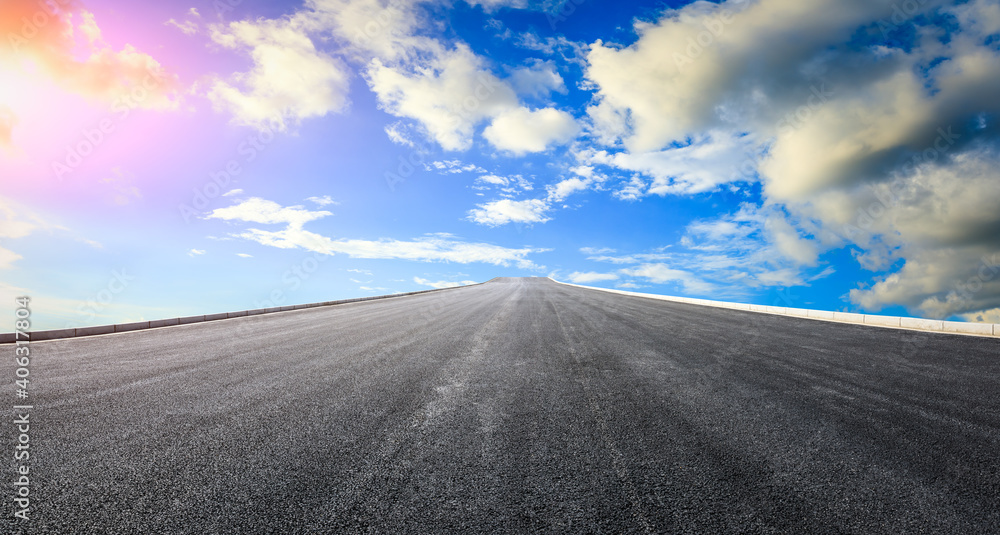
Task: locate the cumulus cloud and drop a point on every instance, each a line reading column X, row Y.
column 290, row 79
column 699, row 166
column 596, row 250
column 325, row 200
column 449, row 96
column 501, row 212
column 454, row 167
column 867, row 122
column 397, row 134
column 66, row 42
column 445, row 88
column 441, row 284
column 751, row 249
column 590, row 276
column 428, row 248
column 441, row 88
column 663, row 273
column 187, row 27
column 494, row 180
column 257, row 210
column 705, row 65
column 942, row 221
column 565, row 188
column 537, row 80
column 522, row 130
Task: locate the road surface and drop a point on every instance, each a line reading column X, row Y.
column 516, row 406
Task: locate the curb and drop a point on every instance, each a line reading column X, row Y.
column 57, row 334
column 991, row 330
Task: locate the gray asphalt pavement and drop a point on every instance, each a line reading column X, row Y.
column 516, row 406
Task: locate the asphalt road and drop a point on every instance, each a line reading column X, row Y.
column 516, row 406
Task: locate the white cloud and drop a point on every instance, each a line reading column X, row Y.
column 456, row 167
column 636, row 258
column 232, row 192
column 187, row 27
column 398, row 135
column 839, row 119
column 244, row 255
column 17, row 222
column 7, row 258
column 632, row 190
column 505, row 211
column 941, row 220
column 507, row 185
column 494, row 179
column 429, row 248
column 663, row 273
column 698, row 167
column 493, row 5
column 571, row 51
column 522, row 131
column 537, row 80
column 257, row 210
column 371, row 289
column 755, row 247
column 196, row 252
column 290, row 80
column 441, row 284
column 448, row 97
column 984, row 316
column 68, row 48
column 586, row 179
column 443, row 87
column 567, row 187
column 323, row 201
column 750, row 55
column 590, row 276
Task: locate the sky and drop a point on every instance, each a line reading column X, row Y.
column 190, row 157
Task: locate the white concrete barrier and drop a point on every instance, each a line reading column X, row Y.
column 9, row 338
column 875, row 320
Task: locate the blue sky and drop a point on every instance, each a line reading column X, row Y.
column 829, row 155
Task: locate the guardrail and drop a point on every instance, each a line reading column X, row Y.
column 38, row 336
column 874, row 320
